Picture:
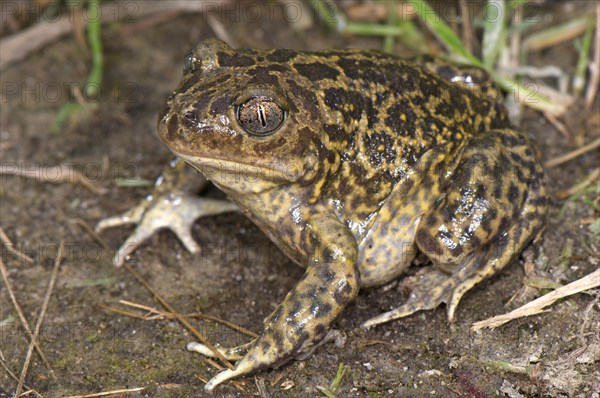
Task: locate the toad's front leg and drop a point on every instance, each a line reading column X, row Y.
column 304, row 317
column 173, row 204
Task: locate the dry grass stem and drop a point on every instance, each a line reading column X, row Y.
column 15, row 378
column 557, row 34
column 536, row 306
column 22, row 318
column 573, row 154
column 575, row 189
column 55, row 174
column 11, row 247
column 178, row 316
column 86, row 227
column 169, row 315
column 20, row 45
column 107, row 393
column 43, row 310
column 558, row 125
column 122, row 312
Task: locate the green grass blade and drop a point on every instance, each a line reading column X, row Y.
column 335, row 383
column 371, row 29
column 443, row 32
column 529, row 96
column 494, row 31
column 94, row 28
column 583, row 61
column 392, row 19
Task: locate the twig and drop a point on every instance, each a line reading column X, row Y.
column 536, row 306
column 178, row 316
column 11, row 374
column 23, row 319
column 572, row 155
column 86, row 227
column 17, row 47
column 575, row 189
column 60, row 173
column 40, row 320
column 105, row 393
column 122, row 312
column 11, row 247
column 169, row 315
column 558, row 34
column 149, row 22
column 558, row 125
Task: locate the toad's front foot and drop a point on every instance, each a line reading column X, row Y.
column 239, row 352
column 175, row 211
column 301, row 322
column 173, row 204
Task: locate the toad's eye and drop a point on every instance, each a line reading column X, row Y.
column 188, row 65
column 260, row 116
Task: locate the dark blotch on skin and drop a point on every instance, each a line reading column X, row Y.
column 220, row 105
column 399, row 126
column 201, row 105
column 316, row 71
column 509, row 140
column 350, row 67
column 364, row 69
column 341, row 295
column 267, row 147
column 375, row 141
column 262, row 75
column 190, row 82
column 265, row 346
column 326, row 275
column 337, row 98
column 280, row 56
column 431, row 220
column 322, row 310
column 513, row 193
column 320, row 331
column 428, row 243
column 308, row 96
column 206, row 89
column 172, row 129
column 457, row 250
column 235, row 60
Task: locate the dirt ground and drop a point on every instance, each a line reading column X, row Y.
column 240, row 276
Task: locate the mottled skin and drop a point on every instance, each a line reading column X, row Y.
column 376, row 158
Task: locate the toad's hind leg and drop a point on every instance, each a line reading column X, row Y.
column 494, row 205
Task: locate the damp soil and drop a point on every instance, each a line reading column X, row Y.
column 240, row 276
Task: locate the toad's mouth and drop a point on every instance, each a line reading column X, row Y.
column 227, row 172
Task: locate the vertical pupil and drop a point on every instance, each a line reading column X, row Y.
column 261, row 115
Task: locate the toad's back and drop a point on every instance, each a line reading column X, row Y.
column 379, row 114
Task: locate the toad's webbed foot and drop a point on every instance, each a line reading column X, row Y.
column 173, row 204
